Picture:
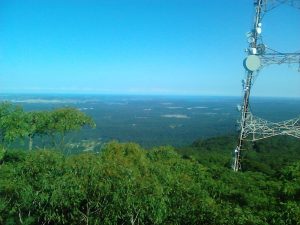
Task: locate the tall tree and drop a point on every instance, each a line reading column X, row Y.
column 65, row 120
column 38, row 123
column 12, row 123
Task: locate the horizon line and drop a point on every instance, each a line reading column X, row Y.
column 141, row 94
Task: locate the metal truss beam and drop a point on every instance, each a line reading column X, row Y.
column 258, row 129
column 280, row 58
column 268, row 5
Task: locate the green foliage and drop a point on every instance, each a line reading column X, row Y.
column 2, row 153
column 15, row 124
column 125, row 184
column 12, row 123
column 13, row 156
column 37, row 125
column 64, row 120
column 267, row 192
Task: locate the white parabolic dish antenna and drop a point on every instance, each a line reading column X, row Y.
column 252, row 63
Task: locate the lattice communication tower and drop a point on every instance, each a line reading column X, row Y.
column 259, row 55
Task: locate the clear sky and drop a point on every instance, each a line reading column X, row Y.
column 192, row 47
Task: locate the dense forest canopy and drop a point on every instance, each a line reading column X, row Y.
column 124, row 183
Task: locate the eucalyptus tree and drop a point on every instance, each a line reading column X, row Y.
column 13, row 124
column 37, row 125
column 65, row 120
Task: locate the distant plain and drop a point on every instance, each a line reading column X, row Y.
column 158, row 120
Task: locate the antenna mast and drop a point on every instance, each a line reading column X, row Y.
column 253, row 128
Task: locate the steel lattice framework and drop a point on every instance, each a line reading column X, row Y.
column 253, row 128
column 273, row 57
column 257, row 128
column 268, row 5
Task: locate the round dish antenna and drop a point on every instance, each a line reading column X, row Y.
column 252, row 63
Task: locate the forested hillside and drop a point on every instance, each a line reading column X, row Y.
column 126, row 184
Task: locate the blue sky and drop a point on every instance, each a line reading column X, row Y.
column 185, row 47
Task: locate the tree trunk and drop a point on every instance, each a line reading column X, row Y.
column 54, row 145
column 30, row 142
column 62, row 142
